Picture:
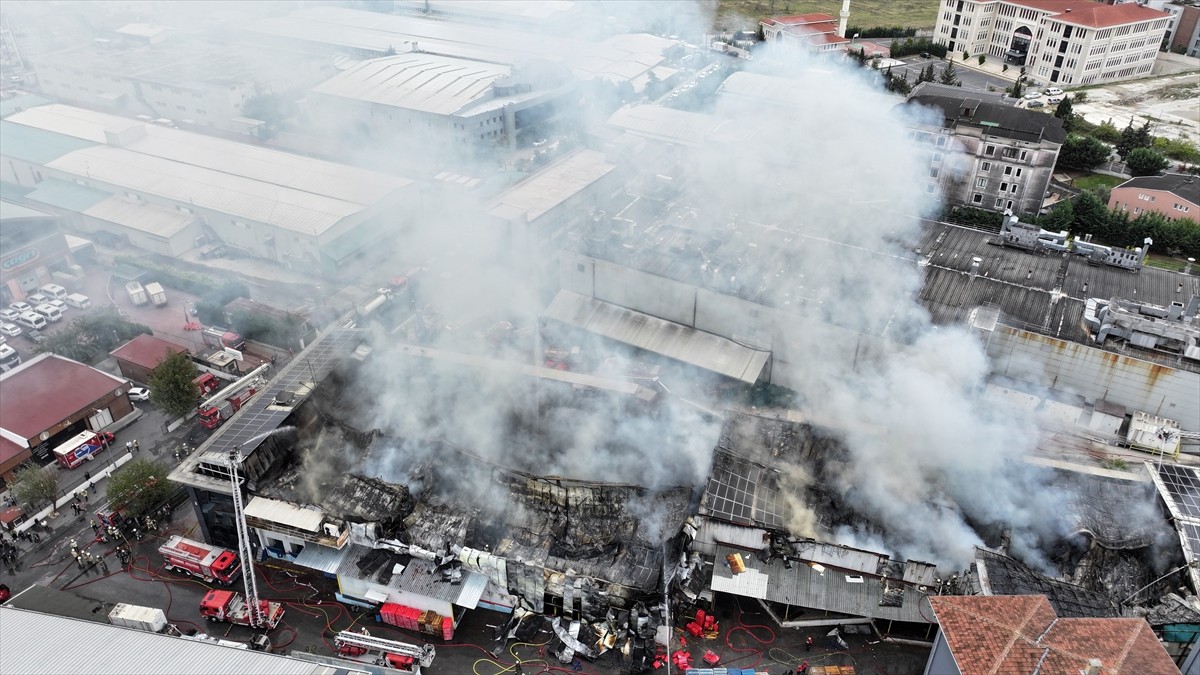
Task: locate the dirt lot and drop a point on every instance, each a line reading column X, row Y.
column 1168, row 102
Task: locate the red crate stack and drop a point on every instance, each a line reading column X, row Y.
column 401, row 615
column 447, row 628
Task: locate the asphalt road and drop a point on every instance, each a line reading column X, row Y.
column 972, row 79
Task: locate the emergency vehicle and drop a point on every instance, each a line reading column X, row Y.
column 231, row 607
column 211, row 563
column 82, row 447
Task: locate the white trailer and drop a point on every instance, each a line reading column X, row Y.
column 143, row 618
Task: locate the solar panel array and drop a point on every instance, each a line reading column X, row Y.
column 255, row 422
column 742, row 492
column 1180, row 488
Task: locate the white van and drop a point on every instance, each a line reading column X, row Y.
column 52, row 313
column 78, row 301
column 54, row 291
column 32, row 320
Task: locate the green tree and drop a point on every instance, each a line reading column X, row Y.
column 950, row 75
column 1133, row 138
column 1082, row 152
column 34, row 484
column 139, row 486
column 282, row 332
column 172, row 385
column 1090, row 215
column 1106, row 132
column 1060, row 217
column 1145, row 162
column 982, row 59
column 1016, row 91
column 91, row 337
column 1066, row 113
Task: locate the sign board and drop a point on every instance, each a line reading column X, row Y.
column 237, row 355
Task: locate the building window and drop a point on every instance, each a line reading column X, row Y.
column 1008, row 171
column 1004, row 187
column 1010, row 205
column 1177, row 207
column 1013, row 189
column 941, row 141
column 981, row 182
column 933, row 172
column 937, row 157
column 986, row 166
column 990, row 151
column 1018, row 172
column 999, row 202
column 977, row 198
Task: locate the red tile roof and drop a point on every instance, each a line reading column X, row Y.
column 1020, row 634
column 1093, row 14
column 812, row 29
column 146, row 351
column 45, row 390
column 798, row 19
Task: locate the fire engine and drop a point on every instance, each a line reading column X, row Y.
column 82, row 447
column 207, row 382
column 231, row 607
column 211, row 563
column 212, row 411
column 402, row 656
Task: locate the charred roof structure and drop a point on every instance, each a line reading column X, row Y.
column 998, row 574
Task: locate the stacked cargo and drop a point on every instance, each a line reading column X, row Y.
column 448, row 628
column 401, row 616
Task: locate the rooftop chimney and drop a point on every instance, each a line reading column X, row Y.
column 1094, row 665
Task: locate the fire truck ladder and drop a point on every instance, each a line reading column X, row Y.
column 424, row 653
column 247, row 555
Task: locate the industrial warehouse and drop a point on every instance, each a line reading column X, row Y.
column 569, row 338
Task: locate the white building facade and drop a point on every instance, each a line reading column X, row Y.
column 1069, row 42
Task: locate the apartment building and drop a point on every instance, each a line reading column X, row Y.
column 1174, row 195
column 1057, row 41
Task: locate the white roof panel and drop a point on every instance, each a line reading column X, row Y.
column 424, row 82
column 551, row 186
column 27, row 646
column 155, row 220
column 284, row 513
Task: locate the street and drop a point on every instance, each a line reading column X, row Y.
column 971, row 79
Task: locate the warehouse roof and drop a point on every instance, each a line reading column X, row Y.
column 424, row 82
column 99, row 649
column 13, row 211
column 546, row 189
column 260, row 184
column 146, row 351
column 66, row 195
column 35, row 145
column 39, row 393
column 154, row 220
column 673, row 340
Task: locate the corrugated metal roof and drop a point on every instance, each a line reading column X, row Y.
column 552, row 186
column 154, row 220
column 828, row 590
column 660, row 336
column 321, row 558
column 424, row 82
column 28, row 645
column 66, row 195
column 285, row 514
column 36, row 145
column 291, row 191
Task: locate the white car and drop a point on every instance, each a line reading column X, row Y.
column 36, row 299
column 1054, row 100
column 62, row 306
column 11, row 330
column 1054, row 91
column 8, row 314
column 21, row 307
column 139, row 394
column 1032, row 95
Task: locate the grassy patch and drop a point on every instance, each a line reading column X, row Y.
column 1116, row 464
column 737, row 14
column 1097, row 180
column 1170, row 264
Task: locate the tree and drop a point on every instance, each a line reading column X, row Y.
column 1145, row 162
column 966, row 55
column 1134, row 138
column 1090, row 215
column 172, row 385
column 1016, row 91
column 1082, row 152
column 1060, row 217
column 950, row 75
column 1065, row 112
column 91, row 337
column 35, row 484
column 982, row 59
column 139, row 486
column 1106, row 132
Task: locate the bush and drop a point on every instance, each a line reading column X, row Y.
column 982, row 59
column 911, row 46
column 1106, row 132
column 1082, row 152
column 1177, row 148
column 188, row 282
column 1145, row 162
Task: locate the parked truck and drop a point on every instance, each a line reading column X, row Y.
column 222, row 338
column 82, row 447
column 208, row 562
column 137, row 294
column 231, row 607
column 149, row 619
column 207, row 383
column 157, row 294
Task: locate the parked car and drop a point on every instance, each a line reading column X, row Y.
column 9, row 329
column 1034, row 104
column 1054, row 100
column 54, row 291
column 9, row 314
column 31, row 320
column 1032, row 95
column 62, row 306
column 139, row 394
column 36, row 336
column 51, row 313
column 1054, row 91
column 36, row 299
column 21, row 307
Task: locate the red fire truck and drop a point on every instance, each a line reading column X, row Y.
column 82, row 447
column 211, row 563
column 232, row 608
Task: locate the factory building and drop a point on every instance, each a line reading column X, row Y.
column 33, row 248
column 169, row 191
column 1063, row 42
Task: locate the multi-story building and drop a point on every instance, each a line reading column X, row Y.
column 32, row 249
column 1058, row 41
column 988, row 155
column 1185, row 28
column 1175, row 195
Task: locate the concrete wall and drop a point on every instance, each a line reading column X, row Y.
column 1167, row 63
column 1097, row 374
